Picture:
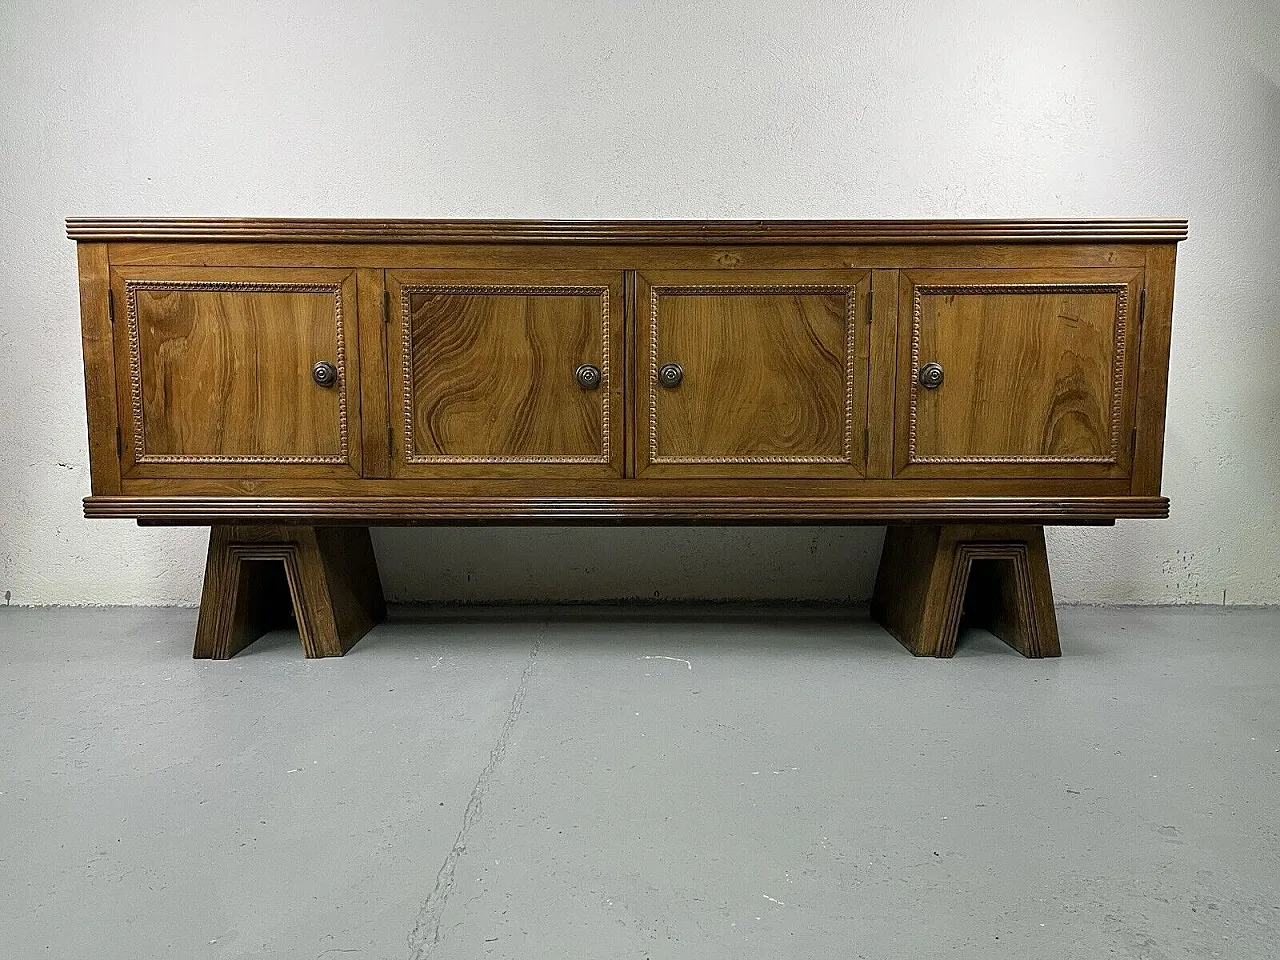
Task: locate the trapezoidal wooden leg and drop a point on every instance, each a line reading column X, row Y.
column 998, row 575
column 256, row 575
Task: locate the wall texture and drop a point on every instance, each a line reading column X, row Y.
column 900, row 108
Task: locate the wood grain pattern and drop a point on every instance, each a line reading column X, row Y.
column 624, row 231
column 774, row 373
column 1037, row 374
column 219, row 369
column 1075, row 415
column 185, row 334
column 487, row 373
column 99, row 367
column 487, row 366
column 255, row 575
column 997, row 576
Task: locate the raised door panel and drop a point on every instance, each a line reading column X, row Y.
column 217, row 372
column 485, row 373
column 1017, row 373
column 772, row 373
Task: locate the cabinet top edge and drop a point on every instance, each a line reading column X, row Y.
column 281, row 230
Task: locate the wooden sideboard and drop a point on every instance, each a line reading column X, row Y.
column 292, row 382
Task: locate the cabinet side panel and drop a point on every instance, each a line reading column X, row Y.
column 1153, row 371
column 99, row 367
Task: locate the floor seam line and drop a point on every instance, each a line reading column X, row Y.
column 425, row 934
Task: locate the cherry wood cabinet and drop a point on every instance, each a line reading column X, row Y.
column 292, row 382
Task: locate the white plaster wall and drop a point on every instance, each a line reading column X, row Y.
column 652, row 109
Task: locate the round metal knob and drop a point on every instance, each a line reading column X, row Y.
column 324, row 373
column 931, row 376
column 670, row 375
column 588, row 376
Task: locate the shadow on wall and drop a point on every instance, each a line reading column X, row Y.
column 590, row 564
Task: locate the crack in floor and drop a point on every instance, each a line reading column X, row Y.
column 425, row 935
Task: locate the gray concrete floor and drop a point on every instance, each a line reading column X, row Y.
column 601, row 783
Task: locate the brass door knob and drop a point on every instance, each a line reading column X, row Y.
column 324, row 373
column 670, row 375
column 930, row 376
column 588, row 376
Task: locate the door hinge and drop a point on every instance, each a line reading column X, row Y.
column 386, row 306
column 119, row 444
column 390, row 442
column 1142, row 307
column 871, row 306
column 111, row 307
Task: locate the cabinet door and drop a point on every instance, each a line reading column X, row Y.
column 752, row 373
column 218, row 372
column 506, row 373
column 1016, row 373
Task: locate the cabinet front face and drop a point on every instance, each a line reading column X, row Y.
column 1016, row 373
column 228, row 372
column 506, row 373
column 751, row 373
